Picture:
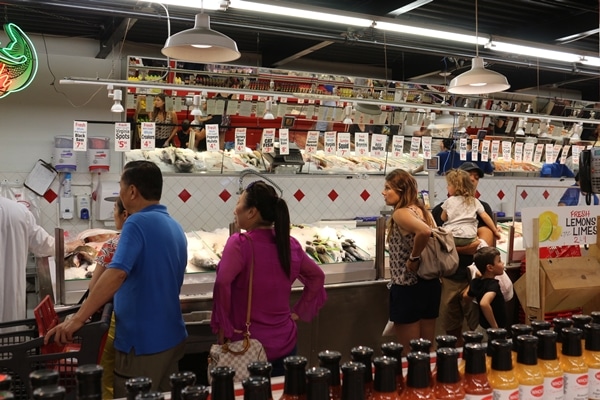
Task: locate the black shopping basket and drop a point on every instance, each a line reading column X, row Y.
column 22, row 351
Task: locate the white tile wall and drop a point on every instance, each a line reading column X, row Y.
column 205, row 210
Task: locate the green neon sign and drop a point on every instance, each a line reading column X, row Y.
column 18, row 61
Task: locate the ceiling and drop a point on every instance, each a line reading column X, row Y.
column 278, row 41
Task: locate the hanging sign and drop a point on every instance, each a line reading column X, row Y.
column 148, row 135
column 212, row 137
column 312, row 142
column 330, row 142
column 268, row 140
column 378, row 143
column 343, row 144
column 79, row 136
column 18, row 61
column 361, row 143
column 284, row 141
column 122, row 136
column 397, row 146
column 240, row 140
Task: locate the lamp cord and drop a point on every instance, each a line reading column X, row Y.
column 476, row 31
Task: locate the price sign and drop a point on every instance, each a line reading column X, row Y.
column 528, row 152
column 426, row 140
column 212, row 137
column 361, row 143
column 550, row 157
column 537, row 156
column 240, row 140
column 518, row 152
column 563, row 155
column 397, row 146
column 330, row 142
column 312, row 142
column 79, row 136
column 343, row 144
column 122, row 136
column 495, row 149
column 485, row 150
column 557, row 149
column 576, row 152
column 267, row 143
column 506, row 150
column 284, row 141
column 148, row 135
column 462, row 149
column 415, row 144
column 378, row 143
column 475, row 149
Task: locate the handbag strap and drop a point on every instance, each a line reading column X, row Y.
column 249, row 308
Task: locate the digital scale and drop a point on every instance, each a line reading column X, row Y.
column 285, row 163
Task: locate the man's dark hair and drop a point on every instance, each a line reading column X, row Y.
column 145, row 176
column 484, row 257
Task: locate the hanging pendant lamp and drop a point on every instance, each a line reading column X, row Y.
column 478, row 80
column 201, row 44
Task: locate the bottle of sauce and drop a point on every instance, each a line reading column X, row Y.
column 548, row 361
column 262, row 368
column 493, row 334
column 256, row 388
column 135, row 386
column 559, row 324
column 517, row 330
column 592, row 358
column 529, row 373
column 448, row 385
column 394, row 350
column 470, row 337
column 573, row 365
column 294, row 384
column 43, row 377
column 317, row 383
column 195, row 393
column 363, row 354
column 384, row 384
column 418, row 378
column 353, row 385
column 222, row 383
column 595, row 317
column 89, row 382
column 331, row 360
column 477, row 386
column 540, row 325
column 502, row 376
column 180, row 380
column 51, row 392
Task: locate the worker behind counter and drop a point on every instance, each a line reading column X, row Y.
column 450, row 159
column 573, row 196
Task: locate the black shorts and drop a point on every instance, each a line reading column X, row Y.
column 411, row 303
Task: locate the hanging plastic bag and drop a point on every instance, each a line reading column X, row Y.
column 18, row 192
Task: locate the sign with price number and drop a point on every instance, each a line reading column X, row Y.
column 312, row 142
column 240, row 140
column 415, row 144
column 79, row 136
column 212, row 137
column 148, row 135
column 426, row 140
column 397, row 146
column 560, row 226
column 267, row 144
column 330, row 142
column 343, row 144
column 378, row 143
column 361, row 145
column 284, row 141
column 122, row 136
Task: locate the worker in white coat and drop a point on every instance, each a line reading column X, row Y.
column 19, row 235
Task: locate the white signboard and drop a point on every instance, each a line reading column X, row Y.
column 79, row 136
column 148, row 135
column 559, row 226
column 122, row 136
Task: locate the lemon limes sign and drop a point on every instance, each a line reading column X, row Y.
column 561, row 225
column 18, row 61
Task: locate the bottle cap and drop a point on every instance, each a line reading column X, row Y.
column 501, row 354
column 317, row 382
column 353, row 387
column 527, row 349
column 151, row 395
column 385, row 374
column 495, row 333
column 579, row 320
column 363, row 354
column 547, row 344
column 256, row 388
column 43, row 377
column 446, row 341
column 539, row 325
column 447, row 365
column 571, row 344
column 295, row 375
column 194, row 393
column 595, row 316
column 134, row 386
column 419, row 370
column 52, row 392
column 394, row 350
column 331, row 360
column 592, row 337
column 559, row 324
column 89, row 381
column 422, row 345
column 474, row 355
column 472, row 337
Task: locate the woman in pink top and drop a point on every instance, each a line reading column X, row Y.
column 278, row 261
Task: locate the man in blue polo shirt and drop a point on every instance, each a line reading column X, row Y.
column 145, row 278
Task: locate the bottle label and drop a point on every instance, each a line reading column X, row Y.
column 594, row 383
column 488, row 396
column 554, row 388
column 531, row 392
column 506, row 394
column 576, row 386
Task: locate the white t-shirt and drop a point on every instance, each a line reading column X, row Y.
column 462, row 216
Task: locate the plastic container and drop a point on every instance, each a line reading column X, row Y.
column 64, row 157
column 98, row 153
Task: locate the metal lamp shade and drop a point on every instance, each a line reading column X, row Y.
column 201, row 44
column 478, row 80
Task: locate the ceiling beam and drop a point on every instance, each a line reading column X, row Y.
column 116, row 36
column 303, row 53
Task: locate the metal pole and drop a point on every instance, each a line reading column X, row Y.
column 59, row 254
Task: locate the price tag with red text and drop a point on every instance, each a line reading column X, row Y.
column 361, row 143
column 79, row 136
column 330, row 142
column 122, row 136
column 378, row 144
column 312, row 142
column 397, row 146
column 148, row 135
column 240, row 140
column 343, row 144
column 267, row 144
column 212, row 137
column 284, row 141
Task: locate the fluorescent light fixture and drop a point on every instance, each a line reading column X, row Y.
column 432, row 33
column 268, row 113
column 315, row 13
column 117, row 96
column 533, row 51
column 478, row 80
column 201, row 44
column 203, row 4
